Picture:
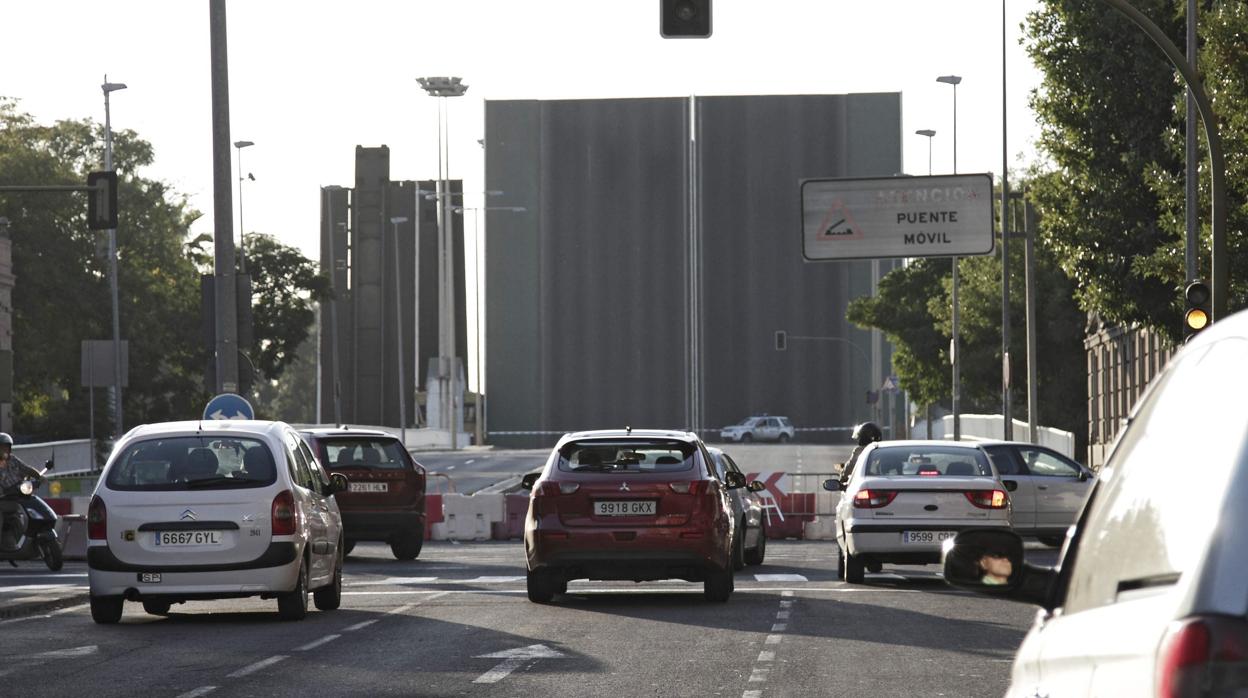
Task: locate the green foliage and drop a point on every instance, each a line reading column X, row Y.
column 1112, row 115
column 62, row 295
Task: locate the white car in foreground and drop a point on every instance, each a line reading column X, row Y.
column 1150, row 595
column 906, row 498
column 212, row 510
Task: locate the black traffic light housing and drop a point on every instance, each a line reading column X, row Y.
column 102, row 200
column 1198, row 314
column 685, row 19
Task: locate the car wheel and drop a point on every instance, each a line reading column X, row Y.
column 746, row 438
column 854, row 569
column 540, row 586
column 717, row 586
column 51, row 552
column 755, row 556
column 784, row 438
column 406, row 546
column 348, row 547
column 157, row 607
column 106, row 610
column 738, row 549
column 294, row 604
column 1053, row 541
column 329, row 597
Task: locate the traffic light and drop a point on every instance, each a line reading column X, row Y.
column 685, row 19
column 1198, row 315
column 782, row 340
column 102, row 200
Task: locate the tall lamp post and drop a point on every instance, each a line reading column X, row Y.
column 930, row 134
column 955, row 357
column 398, row 329
column 110, row 87
column 444, row 87
column 242, row 232
column 478, row 247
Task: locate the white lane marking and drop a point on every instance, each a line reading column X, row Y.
column 394, row 581
column 786, row 604
column 752, row 694
column 780, row 578
column 400, row 609
column 773, row 639
column 41, row 616
column 201, row 691
column 42, row 587
column 253, row 668
column 66, row 575
column 514, row 659
column 489, row 580
column 782, row 615
column 470, row 461
column 779, row 627
column 450, row 467
column 629, row 590
column 317, row 643
column 41, row 657
column 766, row 656
column 786, row 592
column 759, row 675
column 360, row 626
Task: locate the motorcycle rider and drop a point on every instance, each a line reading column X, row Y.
column 865, row 433
column 12, row 472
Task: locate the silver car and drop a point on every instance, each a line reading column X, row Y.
column 1047, row 489
column 211, row 510
column 764, row 428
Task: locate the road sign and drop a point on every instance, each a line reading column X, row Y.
column 229, row 406
column 938, row 216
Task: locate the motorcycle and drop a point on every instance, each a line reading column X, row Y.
column 28, row 528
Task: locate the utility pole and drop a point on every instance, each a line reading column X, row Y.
column 224, row 291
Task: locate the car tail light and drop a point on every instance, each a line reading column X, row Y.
column 97, row 519
column 988, row 499
column 874, row 499
column 1205, row 656
column 284, row 516
column 688, row 486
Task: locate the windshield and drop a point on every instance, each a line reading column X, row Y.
column 627, row 456
column 926, row 461
column 370, row 453
column 192, row 462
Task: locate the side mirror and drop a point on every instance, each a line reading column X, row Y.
column 832, row 485
column 991, row 562
column 50, row 463
column 1010, row 485
column 756, row 486
column 338, row 483
column 527, row 481
column 734, row 480
column 1084, row 476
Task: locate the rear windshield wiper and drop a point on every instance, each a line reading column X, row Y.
column 594, row 467
column 222, row 480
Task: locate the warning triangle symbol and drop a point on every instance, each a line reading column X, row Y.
column 838, row 224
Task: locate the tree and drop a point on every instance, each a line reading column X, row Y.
column 1112, row 125
column 62, row 293
column 285, row 285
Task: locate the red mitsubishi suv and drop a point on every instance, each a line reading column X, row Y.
column 629, row 505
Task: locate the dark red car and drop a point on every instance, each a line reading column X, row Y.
column 629, row 505
column 386, row 499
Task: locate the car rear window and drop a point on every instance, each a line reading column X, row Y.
column 627, row 456
column 193, row 462
column 369, row 453
column 926, row 461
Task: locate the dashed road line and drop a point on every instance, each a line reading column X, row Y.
column 201, row 691
column 360, row 626
column 766, row 656
column 253, row 668
column 317, row 643
column 779, row 627
column 773, row 639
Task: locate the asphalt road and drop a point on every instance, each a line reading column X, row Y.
column 456, row 622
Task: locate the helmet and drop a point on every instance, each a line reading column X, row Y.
column 867, row 432
column 6, row 440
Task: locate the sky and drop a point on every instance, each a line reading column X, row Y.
column 311, row 79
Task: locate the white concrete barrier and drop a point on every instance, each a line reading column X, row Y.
column 468, row 517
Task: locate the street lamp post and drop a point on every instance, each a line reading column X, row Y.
column 954, row 355
column 929, row 133
column 478, row 255
column 109, row 87
column 398, row 330
column 242, row 232
column 444, row 87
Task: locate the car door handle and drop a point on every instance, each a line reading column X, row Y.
column 1042, row 487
